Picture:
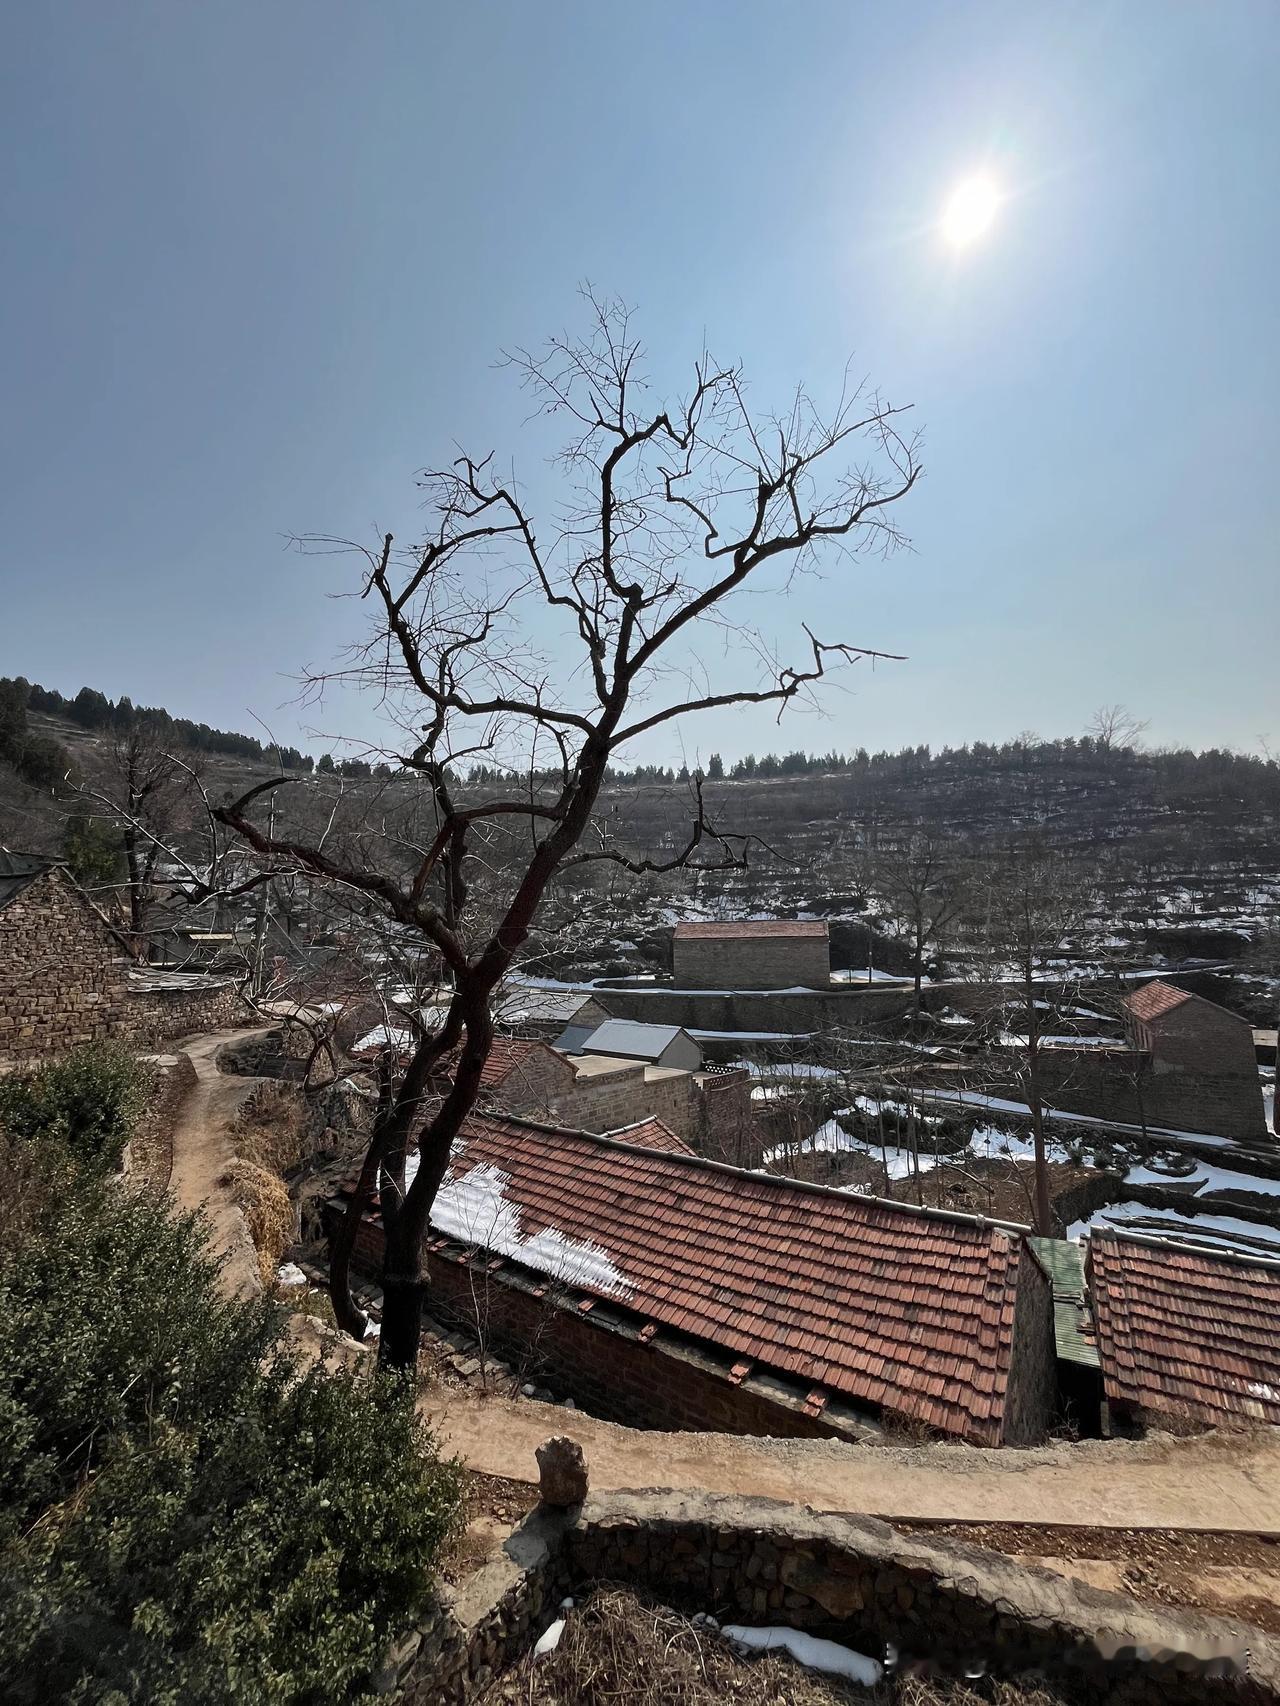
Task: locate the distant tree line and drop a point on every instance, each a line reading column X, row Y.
column 38, row 760
column 1217, row 769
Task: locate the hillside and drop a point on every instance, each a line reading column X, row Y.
column 1180, row 846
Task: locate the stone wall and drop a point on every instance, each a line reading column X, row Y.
column 949, row 1607
column 65, row 980
column 624, row 1093
column 710, row 1111
column 751, row 962
column 152, row 1016
column 1124, row 1085
column 536, row 1086
column 791, row 1013
column 1082, row 1199
column 728, row 1129
column 61, row 971
column 858, row 1581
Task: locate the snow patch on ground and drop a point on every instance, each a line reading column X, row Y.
column 1215, row 1231
column 809, row 1650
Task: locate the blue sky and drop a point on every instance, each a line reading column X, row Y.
column 260, row 260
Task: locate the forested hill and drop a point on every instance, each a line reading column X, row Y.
column 1083, row 791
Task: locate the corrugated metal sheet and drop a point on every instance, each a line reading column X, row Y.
column 1073, row 1329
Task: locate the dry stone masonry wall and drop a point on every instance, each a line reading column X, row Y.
column 856, row 1580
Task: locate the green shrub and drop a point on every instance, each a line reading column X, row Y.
column 182, row 1516
column 90, row 1101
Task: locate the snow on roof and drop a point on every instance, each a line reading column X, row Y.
column 383, row 1036
column 474, row 1207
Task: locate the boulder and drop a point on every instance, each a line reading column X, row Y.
column 562, row 1473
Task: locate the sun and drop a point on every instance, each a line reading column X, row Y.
column 970, row 211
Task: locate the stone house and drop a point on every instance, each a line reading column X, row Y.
column 1203, row 1069
column 67, row 977
column 777, row 953
column 709, row 1111
column 530, row 1010
column 663, row 1289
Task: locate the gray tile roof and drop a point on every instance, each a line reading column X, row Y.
column 19, row 870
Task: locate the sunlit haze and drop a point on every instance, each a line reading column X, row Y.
column 970, row 211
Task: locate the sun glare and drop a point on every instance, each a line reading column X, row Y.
column 970, row 211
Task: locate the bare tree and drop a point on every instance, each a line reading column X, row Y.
column 150, row 794
column 919, row 883
column 670, row 512
column 1114, row 729
column 1033, row 901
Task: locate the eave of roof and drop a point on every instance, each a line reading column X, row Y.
column 904, row 1309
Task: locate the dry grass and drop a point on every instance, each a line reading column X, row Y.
column 271, row 1129
column 619, row 1651
column 268, row 1212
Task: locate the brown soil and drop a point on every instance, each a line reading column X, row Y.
column 492, row 1507
column 1229, row 1575
column 1215, row 1482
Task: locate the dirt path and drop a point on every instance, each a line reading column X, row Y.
column 202, row 1148
column 1213, row 1482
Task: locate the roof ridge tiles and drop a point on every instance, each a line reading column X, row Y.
column 943, row 1216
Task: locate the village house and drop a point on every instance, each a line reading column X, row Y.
column 530, row 1010
column 629, row 1039
column 68, row 977
column 709, row 1111
column 666, row 1290
column 1185, row 1064
column 776, row 953
column 1203, row 1064
column 1185, row 1333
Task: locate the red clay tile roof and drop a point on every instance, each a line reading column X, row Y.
column 1155, row 999
column 749, row 928
column 1184, row 1332
column 506, row 1055
column 902, row 1310
column 651, row 1134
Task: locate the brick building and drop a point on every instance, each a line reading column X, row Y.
column 666, row 1290
column 67, row 977
column 1203, row 1066
column 1185, row 1332
column 777, row 953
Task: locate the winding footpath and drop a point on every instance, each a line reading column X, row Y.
column 202, row 1149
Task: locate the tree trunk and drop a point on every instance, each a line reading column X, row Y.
column 1044, row 1204
column 403, row 1294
